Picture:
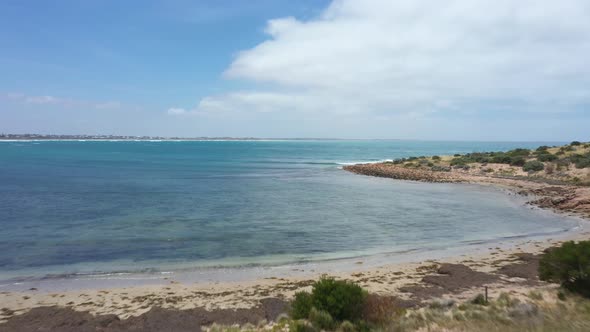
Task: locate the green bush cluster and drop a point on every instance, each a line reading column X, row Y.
column 338, row 299
column 568, row 265
column 533, row 166
column 580, row 160
column 516, row 157
column 544, row 157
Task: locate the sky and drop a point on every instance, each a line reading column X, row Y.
column 400, row 69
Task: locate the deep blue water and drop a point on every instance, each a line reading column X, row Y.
column 69, row 207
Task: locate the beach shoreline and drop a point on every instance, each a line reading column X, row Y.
column 507, row 265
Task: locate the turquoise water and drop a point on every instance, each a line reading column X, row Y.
column 81, row 207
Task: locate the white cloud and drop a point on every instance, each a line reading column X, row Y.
column 176, row 111
column 48, row 100
column 42, row 100
column 417, row 57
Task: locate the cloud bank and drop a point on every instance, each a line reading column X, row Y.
column 418, row 58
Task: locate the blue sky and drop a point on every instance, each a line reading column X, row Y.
column 480, row 69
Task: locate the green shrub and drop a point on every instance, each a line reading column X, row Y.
column 542, row 148
column 479, row 300
column 347, row 326
column 321, row 319
column 533, row 166
column 302, row 326
column 575, row 143
column 458, row 161
column 435, row 158
column 301, row 305
column 343, row 300
column 517, row 161
column 583, row 163
column 568, row 265
column 546, row 157
column 501, row 158
column 519, row 152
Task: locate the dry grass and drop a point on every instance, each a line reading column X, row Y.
column 539, row 312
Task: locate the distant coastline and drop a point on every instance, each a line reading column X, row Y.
column 85, row 137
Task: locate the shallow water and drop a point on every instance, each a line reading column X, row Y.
column 94, row 207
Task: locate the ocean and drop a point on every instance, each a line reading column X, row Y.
column 92, row 207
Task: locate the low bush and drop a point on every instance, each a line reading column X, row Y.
column 301, row 305
column 479, row 300
column 341, row 300
column 575, row 143
column 546, row 157
column 580, row 160
column 501, row 159
column 301, row 326
column 347, row 326
column 533, row 166
column 583, row 163
column 519, row 153
column 435, row 158
column 517, row 161
column 321, row 319
column 568, row 265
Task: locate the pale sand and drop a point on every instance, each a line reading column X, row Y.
column 385, row 280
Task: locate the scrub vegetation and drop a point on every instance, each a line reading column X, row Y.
column 339, row 305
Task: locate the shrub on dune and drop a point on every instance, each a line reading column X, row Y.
column 533, row 166
column 568, row 265
column 338, row 299
column 546, row 157
column 517, row 161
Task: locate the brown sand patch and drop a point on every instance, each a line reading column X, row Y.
column 157, row 319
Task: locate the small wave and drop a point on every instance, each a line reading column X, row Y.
column 364, row 162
